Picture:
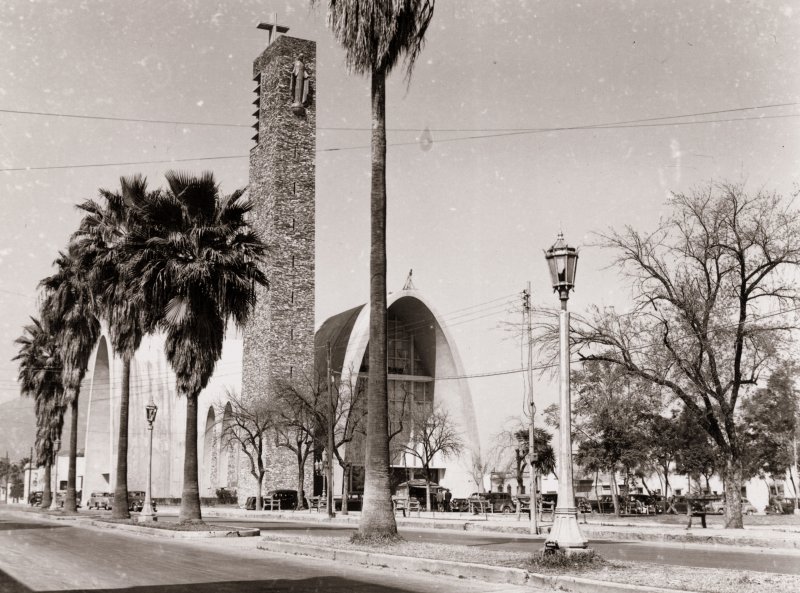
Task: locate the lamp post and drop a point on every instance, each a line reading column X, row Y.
column 565, row 534
column 56, row 447
column 147, row 514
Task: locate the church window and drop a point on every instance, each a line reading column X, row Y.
column 292, row 297
column 291, row 370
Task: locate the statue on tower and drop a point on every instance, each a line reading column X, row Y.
column 299, row 86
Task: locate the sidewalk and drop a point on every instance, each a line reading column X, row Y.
column 776, row 537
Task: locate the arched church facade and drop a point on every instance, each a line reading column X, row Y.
column 425, row 374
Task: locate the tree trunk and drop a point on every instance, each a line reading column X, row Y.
column 70, row 499
column 615, row 493
column 301, row 478
column 259, row 498
column 345, row 487
column 47, row 492
column 190, row 497
column 377, row 517
column 732, row 482
column 596, row 493
column 428, row 506
column 120, row 508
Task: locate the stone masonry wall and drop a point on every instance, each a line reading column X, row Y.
column 279, row 339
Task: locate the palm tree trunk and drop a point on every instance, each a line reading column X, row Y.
column 120, row 509
column 377, row 518
column 190, row 497
column 70, row 500
column 47, row 492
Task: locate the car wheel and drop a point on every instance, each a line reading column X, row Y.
column 506, row 510
column 721, row 512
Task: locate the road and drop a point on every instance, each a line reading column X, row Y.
column 39, row 556
column 641, row 551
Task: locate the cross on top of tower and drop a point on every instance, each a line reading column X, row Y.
column 273, row 27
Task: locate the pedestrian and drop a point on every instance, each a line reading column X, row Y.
column 447, row 497
column 439, row 500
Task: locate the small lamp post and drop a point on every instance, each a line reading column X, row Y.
column 56, row 448
column 565, row 534
column 147, row 514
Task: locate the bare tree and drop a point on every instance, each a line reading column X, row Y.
column 481, row 464
column 300, row 410
column 433, row 432
column 710, row 297
column 350, row 415
column 302, row 420
column 248, row 427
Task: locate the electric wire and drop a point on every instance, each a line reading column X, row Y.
column 602, row 126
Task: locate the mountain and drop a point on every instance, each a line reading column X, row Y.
column 17, row 428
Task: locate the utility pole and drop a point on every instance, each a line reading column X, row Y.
column 329, row 470
column 532, row 411
column 30, row 474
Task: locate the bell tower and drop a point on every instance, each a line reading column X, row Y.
column 279, row 338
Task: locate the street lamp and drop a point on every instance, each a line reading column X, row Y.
column 56, row 447
column 151, row 409
column 565, row 534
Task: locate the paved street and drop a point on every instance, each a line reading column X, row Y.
column 677, row 554
column 38, row 556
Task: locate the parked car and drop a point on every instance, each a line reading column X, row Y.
column 642, row 504
column 583, row 504
column 287, row 499
column 747, row 508
column 780, row 506
column 62, row 494
column 459, row 505
column 603, row 504
column 136, row 501
column 501, row 502
column 101, row 500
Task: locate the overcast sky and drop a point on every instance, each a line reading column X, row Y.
column 472, row 214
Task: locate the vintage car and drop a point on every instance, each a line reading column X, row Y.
column 101, row 500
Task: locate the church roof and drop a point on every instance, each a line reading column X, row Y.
column 335, row 330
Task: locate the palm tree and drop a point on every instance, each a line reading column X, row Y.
column 375, row 35
column 40, row 378
column 197, row 262
column 101, row 240
column 71, row 308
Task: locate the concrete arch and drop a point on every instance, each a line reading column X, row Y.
column 99, row 434
column 451, row 390
column 226, row 474
column 209, row 456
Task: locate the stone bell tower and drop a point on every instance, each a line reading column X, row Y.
column 279, row 339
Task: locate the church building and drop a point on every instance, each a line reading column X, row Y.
column 279, row 342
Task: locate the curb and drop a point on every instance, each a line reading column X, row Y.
column 479, row 572
column 142, row 529
column 592, row 531
column 170, row 534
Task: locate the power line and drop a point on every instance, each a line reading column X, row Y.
column 365, row 129
column 601, row 126
column 126, row 163
column 122, row 119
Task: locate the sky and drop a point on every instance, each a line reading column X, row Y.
column 545, row 116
